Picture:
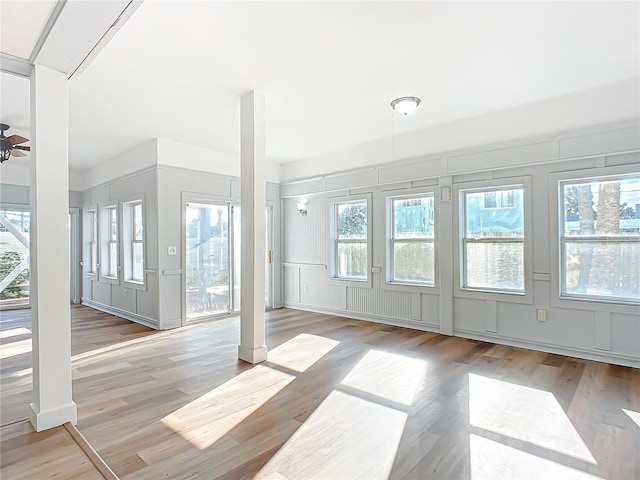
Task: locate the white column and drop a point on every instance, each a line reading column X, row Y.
column 49, row 270
column 252, row 346
column 446, row 244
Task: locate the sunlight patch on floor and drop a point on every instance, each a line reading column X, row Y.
column 301, row 352
column 147, row 341
column 492, row 461
column 14, row 332
column 635, row 416
column 13, row 349
column 526, row 414
column 387, row 375
column 211, row 416
column 345, row 437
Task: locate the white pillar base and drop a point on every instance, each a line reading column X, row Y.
column 252, row 355
column 53, row 418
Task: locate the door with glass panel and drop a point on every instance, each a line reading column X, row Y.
column 208, row 255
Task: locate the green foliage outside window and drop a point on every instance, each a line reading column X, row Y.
column 8, row 262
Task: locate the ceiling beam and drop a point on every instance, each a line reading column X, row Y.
column 15, row 65
column 77, row 31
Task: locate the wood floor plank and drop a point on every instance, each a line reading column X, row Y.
column 51, row 454
column 381, row 402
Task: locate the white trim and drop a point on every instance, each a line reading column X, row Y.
column 546, row 149
column 44, row 420
column 75, row 268
column 134, row 317
column 556, row 299
column 386, row 197
column 126, row 234
column 459, row 189
column 597, row 356
column 333, row 278
column 414, row 324
column 104, row 242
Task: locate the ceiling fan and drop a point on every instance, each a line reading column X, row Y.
column 9, row 145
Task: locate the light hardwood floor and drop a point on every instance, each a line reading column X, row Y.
column 58, row 455
column 338, row 398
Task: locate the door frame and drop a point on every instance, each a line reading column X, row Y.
column 191, row 197
column 74, row 252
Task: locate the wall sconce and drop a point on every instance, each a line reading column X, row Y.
column 302, row 208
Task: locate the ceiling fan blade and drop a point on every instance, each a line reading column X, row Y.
column 18, row 153
column 16, row 139
column 22, row 147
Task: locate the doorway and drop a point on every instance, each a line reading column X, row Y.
column 213, row 259
column 208, row 255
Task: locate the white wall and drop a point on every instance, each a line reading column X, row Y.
column 545, row 118
column 128, row 163
column 572, row 328
column 192, row 157
column 173, row 185
column 138, row 304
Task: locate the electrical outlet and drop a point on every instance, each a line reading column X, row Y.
column 172, row 250
column 305, row 288
column 541, row 315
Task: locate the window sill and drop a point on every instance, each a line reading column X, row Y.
column 499, row 296
column 136, row 285
column 351, row 282
column 595, row 304
column 427, row 288
column 110, row 280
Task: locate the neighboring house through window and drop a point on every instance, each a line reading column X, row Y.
column 411, row 242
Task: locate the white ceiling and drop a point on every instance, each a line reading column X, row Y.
column 329, row 70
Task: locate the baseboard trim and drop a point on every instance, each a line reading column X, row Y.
column 134, row 317
column 623, row 360
column 44, row 420
column 425, row 327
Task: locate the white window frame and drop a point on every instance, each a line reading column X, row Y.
column 505, row 295
column 91, row 263
column 333, row 243
column 391, row 240
column 106, row 240
column 556, row 200
column 129, row 241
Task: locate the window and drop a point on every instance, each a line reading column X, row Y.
column 493, row 239
column 499, row 199
column 412, row 239
column 14, row 255
column 93, row 241
column 600, row 238
column 351, row 254
column 109, row 263
column 133, row 237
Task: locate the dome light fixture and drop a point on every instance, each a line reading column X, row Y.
column 405, row 105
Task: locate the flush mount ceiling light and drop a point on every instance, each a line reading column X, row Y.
column 405, row 105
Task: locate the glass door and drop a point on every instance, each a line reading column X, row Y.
column 207, row 260
column 236, row 256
